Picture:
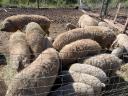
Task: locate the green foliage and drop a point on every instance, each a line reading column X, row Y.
column 92, row 1
column 32, row 1
column 70, row 1
column 59, row 3
column 4, row 1
column 22, row 1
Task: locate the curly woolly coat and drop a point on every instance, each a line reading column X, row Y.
column 89, row 69
column 18, row 22
column 103, row 35
column 35, row 38
column 19, row 50
column 70, row 76
column 38, row 77
column 78, row 50
column 121, row 40
column 74, row 89
column 86, row 20
column 107, row 62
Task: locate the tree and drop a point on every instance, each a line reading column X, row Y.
column 38, row 3
column 104, row 9
column 71, row 1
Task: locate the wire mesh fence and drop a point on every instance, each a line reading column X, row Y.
column 32, row 81
column 39, row 78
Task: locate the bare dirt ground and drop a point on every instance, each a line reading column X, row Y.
column 60, row 17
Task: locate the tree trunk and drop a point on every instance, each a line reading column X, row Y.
column 104, row 9
column 10, row 1
column 125, row 26
column 38, row 3
column 117, row 12
column 28, row 2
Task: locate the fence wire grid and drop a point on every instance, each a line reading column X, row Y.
column 116, row 85
column 62, row 83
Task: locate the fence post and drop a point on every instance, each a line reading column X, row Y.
column 126, row 26
column 117, row 12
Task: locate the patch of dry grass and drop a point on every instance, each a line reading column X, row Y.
column 7, row 72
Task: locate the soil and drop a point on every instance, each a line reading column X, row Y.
column 59, row 16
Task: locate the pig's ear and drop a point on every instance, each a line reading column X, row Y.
column 9, row 21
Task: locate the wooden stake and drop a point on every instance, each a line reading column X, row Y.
column 125, row 26
column 117, row 12
column 116, row 26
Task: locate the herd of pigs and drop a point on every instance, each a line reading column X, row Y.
column 85, row 57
